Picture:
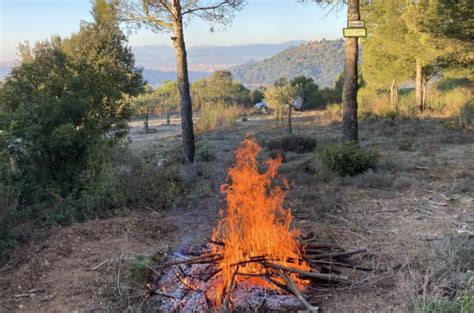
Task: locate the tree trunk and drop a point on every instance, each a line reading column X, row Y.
column 423, row 94
column 183, row 83
column 419, row 86
column 349, row 94
column 147, row 115
column 168, row 117
column 394, row 95
column 290, row 129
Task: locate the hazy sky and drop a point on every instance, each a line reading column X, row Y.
column 261, row 21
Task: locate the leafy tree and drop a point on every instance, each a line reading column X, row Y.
column 386, row 61
column 333, row 95
column 219, row 88
column 391, row 56
column 66, row 98
column 281, row 97
column 312, row 97
column 169, row 15
column 451, row 21
column 256, row 95
column 145, row 104
column 168, row 96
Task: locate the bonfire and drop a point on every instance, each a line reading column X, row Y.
column 254, row 256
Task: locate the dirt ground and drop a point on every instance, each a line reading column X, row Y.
column 418, row 196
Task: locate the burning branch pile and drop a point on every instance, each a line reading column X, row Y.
column 253, row 250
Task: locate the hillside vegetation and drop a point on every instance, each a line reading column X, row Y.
column 321, row 60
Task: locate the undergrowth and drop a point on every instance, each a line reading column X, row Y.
column 348, row 158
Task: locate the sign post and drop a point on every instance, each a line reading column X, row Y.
column 355, row 29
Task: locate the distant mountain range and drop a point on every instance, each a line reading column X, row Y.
column 253, row 65
column 322, row 60
column 207, row 58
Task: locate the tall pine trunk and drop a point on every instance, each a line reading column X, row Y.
column 394, row 95
column 419, row 86
column 290, row 128
column 183, row 84
column 349, row 94
column 168, row 117
column 147, row 118
column 424, row 91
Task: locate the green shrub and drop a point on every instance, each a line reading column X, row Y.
column 462, row 303
column 206, row 155
column 466, row 114
column 294, row 143
column 348, row 158
column 405, row 144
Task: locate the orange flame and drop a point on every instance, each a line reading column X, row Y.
column 255, row 223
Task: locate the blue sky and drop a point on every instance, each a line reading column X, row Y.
column 261, row 21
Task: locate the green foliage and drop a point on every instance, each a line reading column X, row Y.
column 312, row 97
column 294, row 143
column 219, row 88
column 320, row 60
column 281, row 97
column 405, row 143
column 436, row 33
column 455, row 255
column 206, row 155
column 256, row 95
column 348, row 158
column 462, row 304
column 61, row 108
column 139, row 269
column 466, row 114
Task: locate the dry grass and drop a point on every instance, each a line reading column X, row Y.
column 401, row 211
column 217, row 116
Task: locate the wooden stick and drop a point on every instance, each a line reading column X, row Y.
column 229, row 290
column 317, row 245
column 184, row 283
column 212, row 258
column 278, row 284
column 296, row 292
column 326, row 277
column 339, row 264
column 336, row 254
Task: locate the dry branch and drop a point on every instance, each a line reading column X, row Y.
column 336, row 254
column 291, row 286
column 208, row 258
column 353, row 266
column 304, row 274
column 229, row 290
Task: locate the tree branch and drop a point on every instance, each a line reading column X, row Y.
column 208, row 8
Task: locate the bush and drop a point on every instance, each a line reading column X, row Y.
column 466, row 114
column 405, row 144
column 206, row 155
column 294, row 143
column 348, row 158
